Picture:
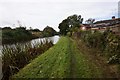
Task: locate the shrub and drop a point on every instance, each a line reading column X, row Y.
column 107, row 42
column 15, row 35
column 69, row 34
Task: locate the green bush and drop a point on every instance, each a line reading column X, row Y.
column 15, row 35
column 69, row 34
column 48, row 32
column 107, row 42
column 113, row 48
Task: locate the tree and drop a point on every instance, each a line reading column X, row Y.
column 90, row 21
column 75, row 20
column 35, row 30
column 20, row 28
column 64, row 26
column 30, row 28
column 48, row 31
column 6, row 28
column 70, row 23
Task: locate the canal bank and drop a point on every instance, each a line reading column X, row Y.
column 63, row 60
column 54, row 40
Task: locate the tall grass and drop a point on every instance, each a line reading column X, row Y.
column 17, row 56
column 107, row 43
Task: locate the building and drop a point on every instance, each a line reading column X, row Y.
column 113, row 24
column 85, row 27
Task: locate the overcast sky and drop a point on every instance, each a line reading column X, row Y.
column 40, row 13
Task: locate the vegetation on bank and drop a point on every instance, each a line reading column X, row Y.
column 20, row 34
column 48, row 32
column 107, row 43
column 53, row 63
column 94, row 56
column 17, row 56
column 15, row 35
column 61, row 61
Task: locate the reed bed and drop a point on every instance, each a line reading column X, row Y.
column 17, row 56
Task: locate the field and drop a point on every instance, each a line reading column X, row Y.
column 63, row 60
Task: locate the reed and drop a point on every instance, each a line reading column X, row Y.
column 17, row 56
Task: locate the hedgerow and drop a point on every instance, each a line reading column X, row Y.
column 107, row 42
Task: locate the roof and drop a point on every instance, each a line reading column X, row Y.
column 106, row 23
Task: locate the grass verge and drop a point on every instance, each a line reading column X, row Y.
column 61, row 61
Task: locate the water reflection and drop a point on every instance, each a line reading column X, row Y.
column 54, row 39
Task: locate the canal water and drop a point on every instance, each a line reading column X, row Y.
column 54, row 39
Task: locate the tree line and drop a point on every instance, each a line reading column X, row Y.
column 19, row 34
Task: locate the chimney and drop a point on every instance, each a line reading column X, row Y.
column 113, row 17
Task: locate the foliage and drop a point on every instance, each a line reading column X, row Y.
column 113, row 48
column 69, row 34
column 5, row 28
column 71, row 22
column 35, row 30
column 90, row 21
column 108, row 43
column 21, row 34
column 48, row 32
column 17, row 56
column 64, row 27
column 75, row 20
column 15, row 35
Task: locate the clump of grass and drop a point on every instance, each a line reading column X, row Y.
column 17, row 56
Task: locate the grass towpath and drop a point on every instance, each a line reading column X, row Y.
column 63, row 60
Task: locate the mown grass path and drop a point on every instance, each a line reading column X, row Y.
column 63, row 60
